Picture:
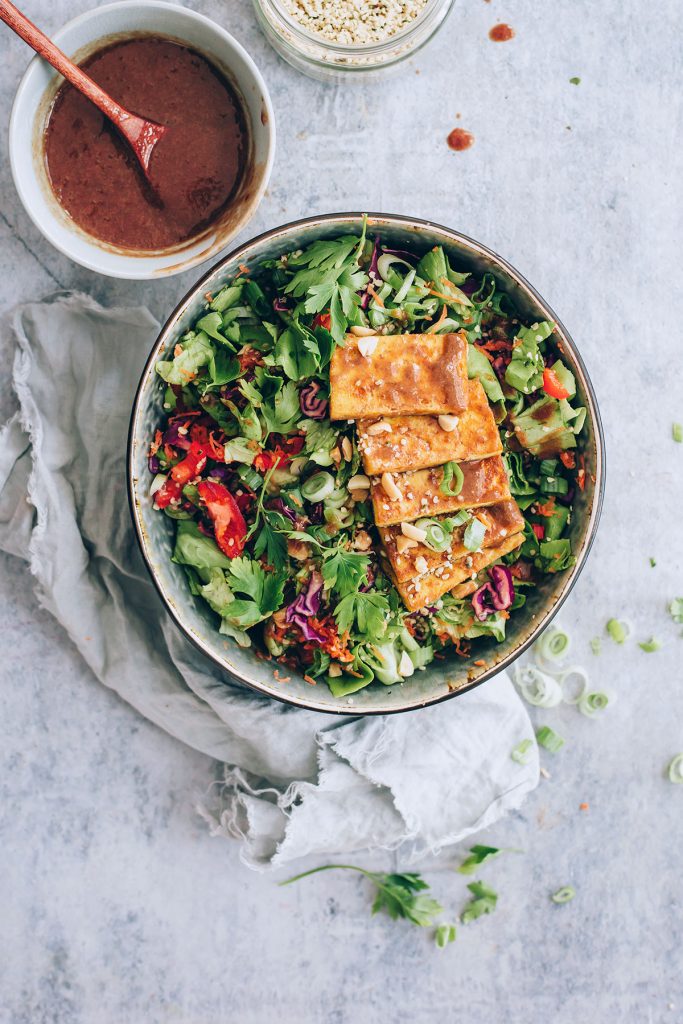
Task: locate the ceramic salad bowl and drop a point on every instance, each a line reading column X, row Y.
column 443, row 678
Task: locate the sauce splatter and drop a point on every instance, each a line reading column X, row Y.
column 459, row 139
column 501, row 33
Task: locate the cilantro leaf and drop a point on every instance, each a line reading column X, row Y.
column 396, row 893
column 369, row 611
column 344, row 571
column 483, row 901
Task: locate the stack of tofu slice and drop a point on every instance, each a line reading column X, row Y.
column 415, row 412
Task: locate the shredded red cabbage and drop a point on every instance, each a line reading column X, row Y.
column 305, row 605
column 172, row 436
column 280, row 506
column 495, row 596
column 153, row 464
column 280, row 305
column 311, row 402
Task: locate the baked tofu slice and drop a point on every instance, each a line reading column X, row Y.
column 501, row 521
column 429, row 587
column 399, row 443
column 485, row 482
column 401, row 374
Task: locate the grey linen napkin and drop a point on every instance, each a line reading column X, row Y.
column 293, row 782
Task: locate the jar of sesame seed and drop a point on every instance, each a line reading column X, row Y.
column 349, row 39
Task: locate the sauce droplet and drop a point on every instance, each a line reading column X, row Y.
column 459, row 139
column 501, row 33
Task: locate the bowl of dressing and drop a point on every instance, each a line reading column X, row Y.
column 81, row 184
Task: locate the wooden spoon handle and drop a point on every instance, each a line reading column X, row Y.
column 43, row 46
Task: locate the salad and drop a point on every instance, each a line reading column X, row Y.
column 275, row 518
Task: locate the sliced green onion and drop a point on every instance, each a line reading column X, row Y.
column 522, row 752
column 554, row 485
column 577, row 678
column 444, row 934
column 650, row 646
column 548, row 467
column 318, row 487
column 564, row 895
column 676, row 770
column 437, row 538
column 652, row 563
column 458, row 519
column 453, row 479
column 677, row 432
column 250, row 477
column 596, row 645
column 553, row 645
column 591, row 704
column 549, row 739
column 676, row 610
column 617, row 630
column 475, row 532
column 537, row 688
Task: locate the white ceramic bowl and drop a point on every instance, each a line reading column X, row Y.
column 37, row 89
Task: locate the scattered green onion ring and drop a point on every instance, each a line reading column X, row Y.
column 619, row 631
column 677, row 432
column 676, row 770
column 553, row 645
column 437, row 538
column 591, row 704
column 522, row 752
column 564, row 895
column 537, row 688
column 579, row 677
column 453, row 480
column 549, row 739
column 650, row 646
column 596, row 645
column 317, row 487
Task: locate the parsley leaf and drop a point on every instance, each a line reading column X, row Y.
column 271, row 539
column 282, row 412
column 397, row 894
column 483, row 902
column 478, row 854
column 676, row 610
column 265, row 588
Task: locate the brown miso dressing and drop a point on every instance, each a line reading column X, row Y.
column 195, row 171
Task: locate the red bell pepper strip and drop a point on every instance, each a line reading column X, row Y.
column 323, row 320
column 539, row 530
column 229, row 526
column 191, row 465
column 552, row 386
column 169, row 491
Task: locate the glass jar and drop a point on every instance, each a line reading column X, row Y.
column 320, row 58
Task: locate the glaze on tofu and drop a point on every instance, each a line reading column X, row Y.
column 399, row 374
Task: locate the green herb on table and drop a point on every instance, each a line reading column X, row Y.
column 444, row 934
column 677, row 432
column 522, row 752
column 483, row 901
column 617, row 630
column 478, row 855
column 549, row 739
column 650, row 646
column 596, row 645
column 575, row 81
column 564, row 895
column 401, row 895
column 652, row 563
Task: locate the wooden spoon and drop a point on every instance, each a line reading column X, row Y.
column 141, row 135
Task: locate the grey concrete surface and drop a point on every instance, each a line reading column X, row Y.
column 116, row 905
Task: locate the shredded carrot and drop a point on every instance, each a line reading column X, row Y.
column 281, row 679
column 484, row 352
column 568, row 459
column 548, row 509
column 217, row 449
column 178, row 350
column 169, row 453
column 373, row 293
column 156, row 443
column 187, row 374
column 244, row 269
column 583, row 807
column 480, row 662
column 208, row 296
column 310, row 681
column 442, row 317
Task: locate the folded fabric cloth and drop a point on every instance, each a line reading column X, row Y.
column 295, row 782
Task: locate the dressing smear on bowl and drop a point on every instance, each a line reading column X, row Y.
column 196, row 169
